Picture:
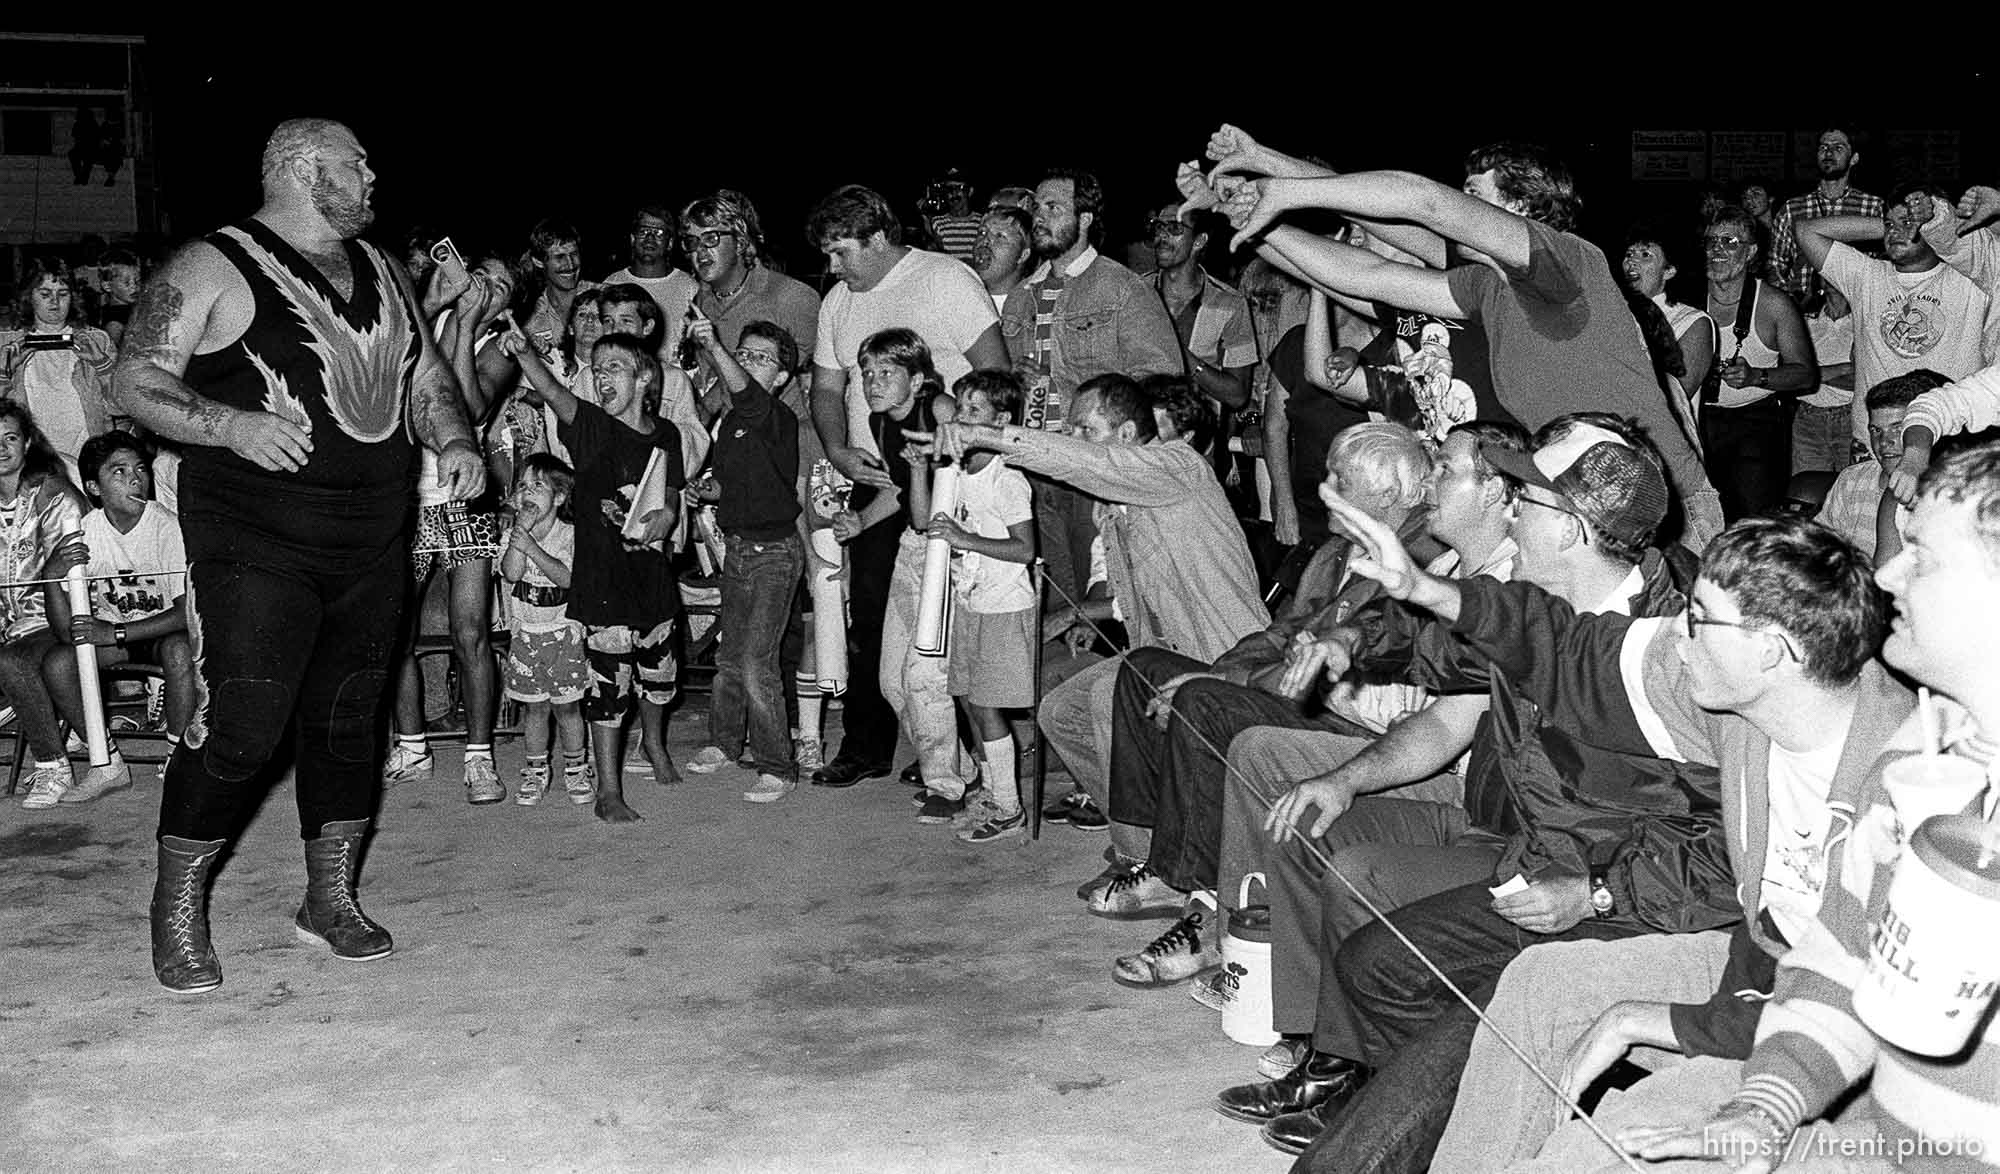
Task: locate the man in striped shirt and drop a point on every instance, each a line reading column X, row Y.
column 1838, row 152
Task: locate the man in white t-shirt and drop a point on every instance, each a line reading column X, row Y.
column 883, row 283
column 1911, row 310
column 671, row 288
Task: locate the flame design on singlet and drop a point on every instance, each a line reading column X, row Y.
column 365, row 371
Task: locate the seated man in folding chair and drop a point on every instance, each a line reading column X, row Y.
column 137, row 617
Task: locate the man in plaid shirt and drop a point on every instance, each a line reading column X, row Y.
column 1837, row 154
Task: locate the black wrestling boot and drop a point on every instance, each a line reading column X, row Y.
column 330, row 915
column 1318, row 1079
column 183, row 960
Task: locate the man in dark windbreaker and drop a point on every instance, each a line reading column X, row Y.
column 1598, row 845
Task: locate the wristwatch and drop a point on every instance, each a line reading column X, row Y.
column 1600, row 897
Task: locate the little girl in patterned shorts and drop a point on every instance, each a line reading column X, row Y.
column 546, row 670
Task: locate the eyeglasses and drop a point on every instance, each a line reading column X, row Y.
column 746, row 355
column 1560, row 509
column 1170, row 227
column 1722, row 244
column 1694, row 622
column 650, row 232
column 705, row 240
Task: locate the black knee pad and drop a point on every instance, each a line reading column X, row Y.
column 351, row 726
column 246, row 717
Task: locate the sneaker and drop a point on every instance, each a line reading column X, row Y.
column 533, row 785
column 580, row 783
column 1085, row 815
column 482, row 782
column 846, row 772
column 1181, row 953
column 769, row 788
column 46, row 785
column 978, row 809
column 808, row 753
column 408, row 766
column 1216, row 991
column 74, row 744
column 998, row 826
column 708, row 761
column 1280, row 1058
column 938, row 809
column 99, row 781
column 1058, row 811
column 1112, row 872
column 1138, row 895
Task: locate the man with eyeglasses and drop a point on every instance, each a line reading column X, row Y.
column 1764, row 356
column 1769, row 674
column 724, row 242
column 670, row 288
column 1591, row 844
column 1911, row 310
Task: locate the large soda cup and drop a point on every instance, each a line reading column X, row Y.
column 1934, row 952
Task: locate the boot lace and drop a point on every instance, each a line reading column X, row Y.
column 186, row 905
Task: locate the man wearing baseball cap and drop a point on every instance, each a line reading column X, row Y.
column 1598, row 844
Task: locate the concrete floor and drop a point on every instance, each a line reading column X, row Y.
column 820, row 984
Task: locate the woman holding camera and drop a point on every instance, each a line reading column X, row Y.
column 60, row 366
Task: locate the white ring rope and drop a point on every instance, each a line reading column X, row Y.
column 1318, row 854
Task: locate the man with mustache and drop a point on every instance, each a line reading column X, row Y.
column 1839, row 152
column 289, row 361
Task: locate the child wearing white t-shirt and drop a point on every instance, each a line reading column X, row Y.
column 994, row 624
column 131, row 548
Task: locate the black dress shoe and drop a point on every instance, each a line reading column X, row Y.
column 845, row 772
column 1293, row 1132
column 912, row 775
column 1314, row 1081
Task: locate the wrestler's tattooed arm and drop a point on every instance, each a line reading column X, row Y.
column 167, row 323
column 175, row 313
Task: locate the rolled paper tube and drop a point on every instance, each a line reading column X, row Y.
column 78, row 589
column 829, row 615
column 934, row 596
column 711, row 534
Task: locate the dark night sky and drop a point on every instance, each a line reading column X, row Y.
column 486, row 143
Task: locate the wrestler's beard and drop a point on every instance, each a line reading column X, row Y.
column 346, row 215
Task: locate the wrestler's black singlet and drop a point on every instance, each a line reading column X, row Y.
column 338, row 367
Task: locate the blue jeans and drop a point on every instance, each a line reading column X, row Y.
column 760, row 580
column 1415, row 1033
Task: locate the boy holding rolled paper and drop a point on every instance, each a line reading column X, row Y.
column 993, row 625
column 621, row 586
column 139, row 615
column 905, row 395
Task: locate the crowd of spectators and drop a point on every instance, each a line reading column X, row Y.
column 1395, row 543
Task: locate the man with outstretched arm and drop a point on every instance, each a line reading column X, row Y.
column 290, row 361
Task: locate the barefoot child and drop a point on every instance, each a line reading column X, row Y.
column 622, row 591
column 546, row 670
column 993, row 628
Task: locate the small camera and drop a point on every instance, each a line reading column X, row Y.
column 49, row 342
